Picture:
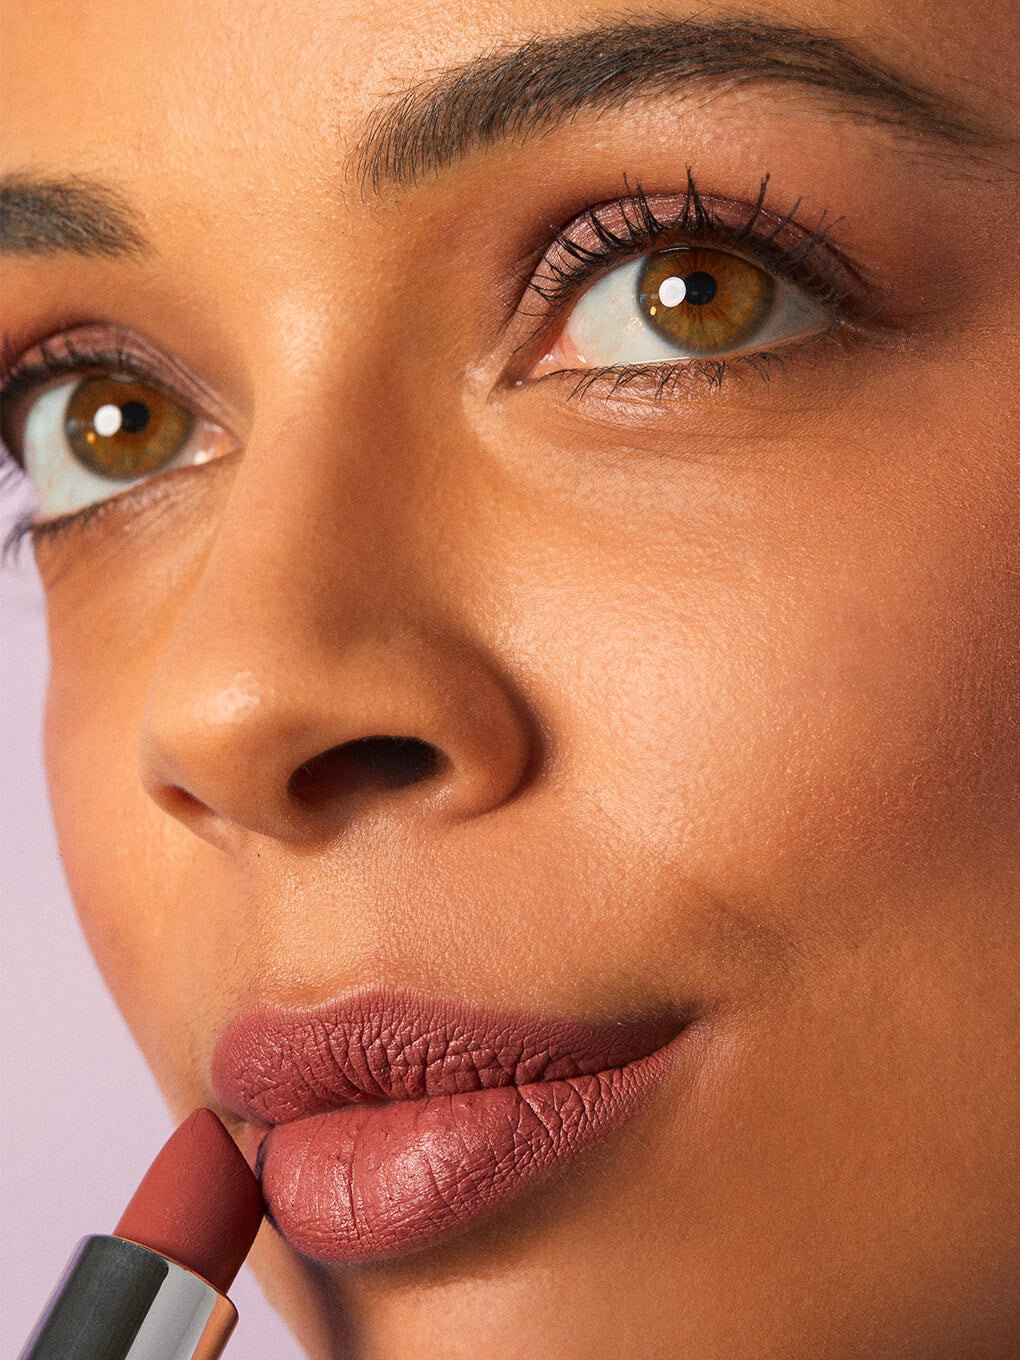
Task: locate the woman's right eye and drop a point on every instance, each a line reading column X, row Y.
column 87, row 439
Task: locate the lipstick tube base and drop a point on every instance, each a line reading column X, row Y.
column 121, row 1301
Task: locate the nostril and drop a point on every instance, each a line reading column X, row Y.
column 393, row 762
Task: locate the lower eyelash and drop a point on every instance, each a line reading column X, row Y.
column 13, row 474
column 21, row 530
column 663, row 378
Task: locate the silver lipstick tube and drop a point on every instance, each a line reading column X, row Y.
column 120, row 1301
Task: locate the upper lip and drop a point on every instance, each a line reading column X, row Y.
column 273, row 1064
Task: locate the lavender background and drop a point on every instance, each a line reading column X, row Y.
column 76, row 1141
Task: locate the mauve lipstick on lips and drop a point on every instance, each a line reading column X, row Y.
column 387, row 1120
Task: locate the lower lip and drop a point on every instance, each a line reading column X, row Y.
column 367, row 1181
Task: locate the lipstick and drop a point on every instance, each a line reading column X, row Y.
column 156, row 1288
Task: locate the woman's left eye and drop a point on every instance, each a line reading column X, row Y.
column 685, row 302
column 87, row 439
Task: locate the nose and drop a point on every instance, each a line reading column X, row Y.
column 324, row 665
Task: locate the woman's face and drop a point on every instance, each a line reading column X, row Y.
column 717, row 675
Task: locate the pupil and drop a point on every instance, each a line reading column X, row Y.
column 700, row 288
column 134, row 415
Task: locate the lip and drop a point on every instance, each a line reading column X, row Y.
column 387, row 1120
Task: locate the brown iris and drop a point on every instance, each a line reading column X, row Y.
column 122, row 429
column 704, row 301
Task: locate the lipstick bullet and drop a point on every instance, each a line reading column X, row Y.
column 155, row 1289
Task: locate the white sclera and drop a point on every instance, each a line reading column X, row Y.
column 108, row 418
column 672, row 291
column 608, row 326
column 61, row 483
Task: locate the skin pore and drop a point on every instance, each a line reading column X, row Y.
column 721, row 672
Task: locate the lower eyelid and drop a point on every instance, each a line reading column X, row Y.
column 685, row 379
column 131, row 501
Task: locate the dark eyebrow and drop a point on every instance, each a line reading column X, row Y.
column 524, row 89
column 45, row 216
column 533, row 86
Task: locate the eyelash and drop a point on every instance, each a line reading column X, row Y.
column 569, row 265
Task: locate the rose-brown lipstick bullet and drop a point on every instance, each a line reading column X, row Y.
column 156, row 1288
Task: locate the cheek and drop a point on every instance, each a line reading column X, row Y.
column 133, row 872
column 891, row 710
column 106, row 832
column 865, row 753
column 829, row 708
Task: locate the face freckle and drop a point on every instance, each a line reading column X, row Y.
column 573, row 597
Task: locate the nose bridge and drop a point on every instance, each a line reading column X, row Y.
column 320, row 661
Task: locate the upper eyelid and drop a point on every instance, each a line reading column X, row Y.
column 800, row 255
column 771, row 240
column 111, row 348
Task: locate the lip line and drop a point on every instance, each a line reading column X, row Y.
column 274, row 1065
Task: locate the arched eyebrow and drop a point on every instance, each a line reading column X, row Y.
column 533, row 86
column 525, row 89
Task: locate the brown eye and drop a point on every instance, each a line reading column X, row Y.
column 704, row 301
column 123, row 429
